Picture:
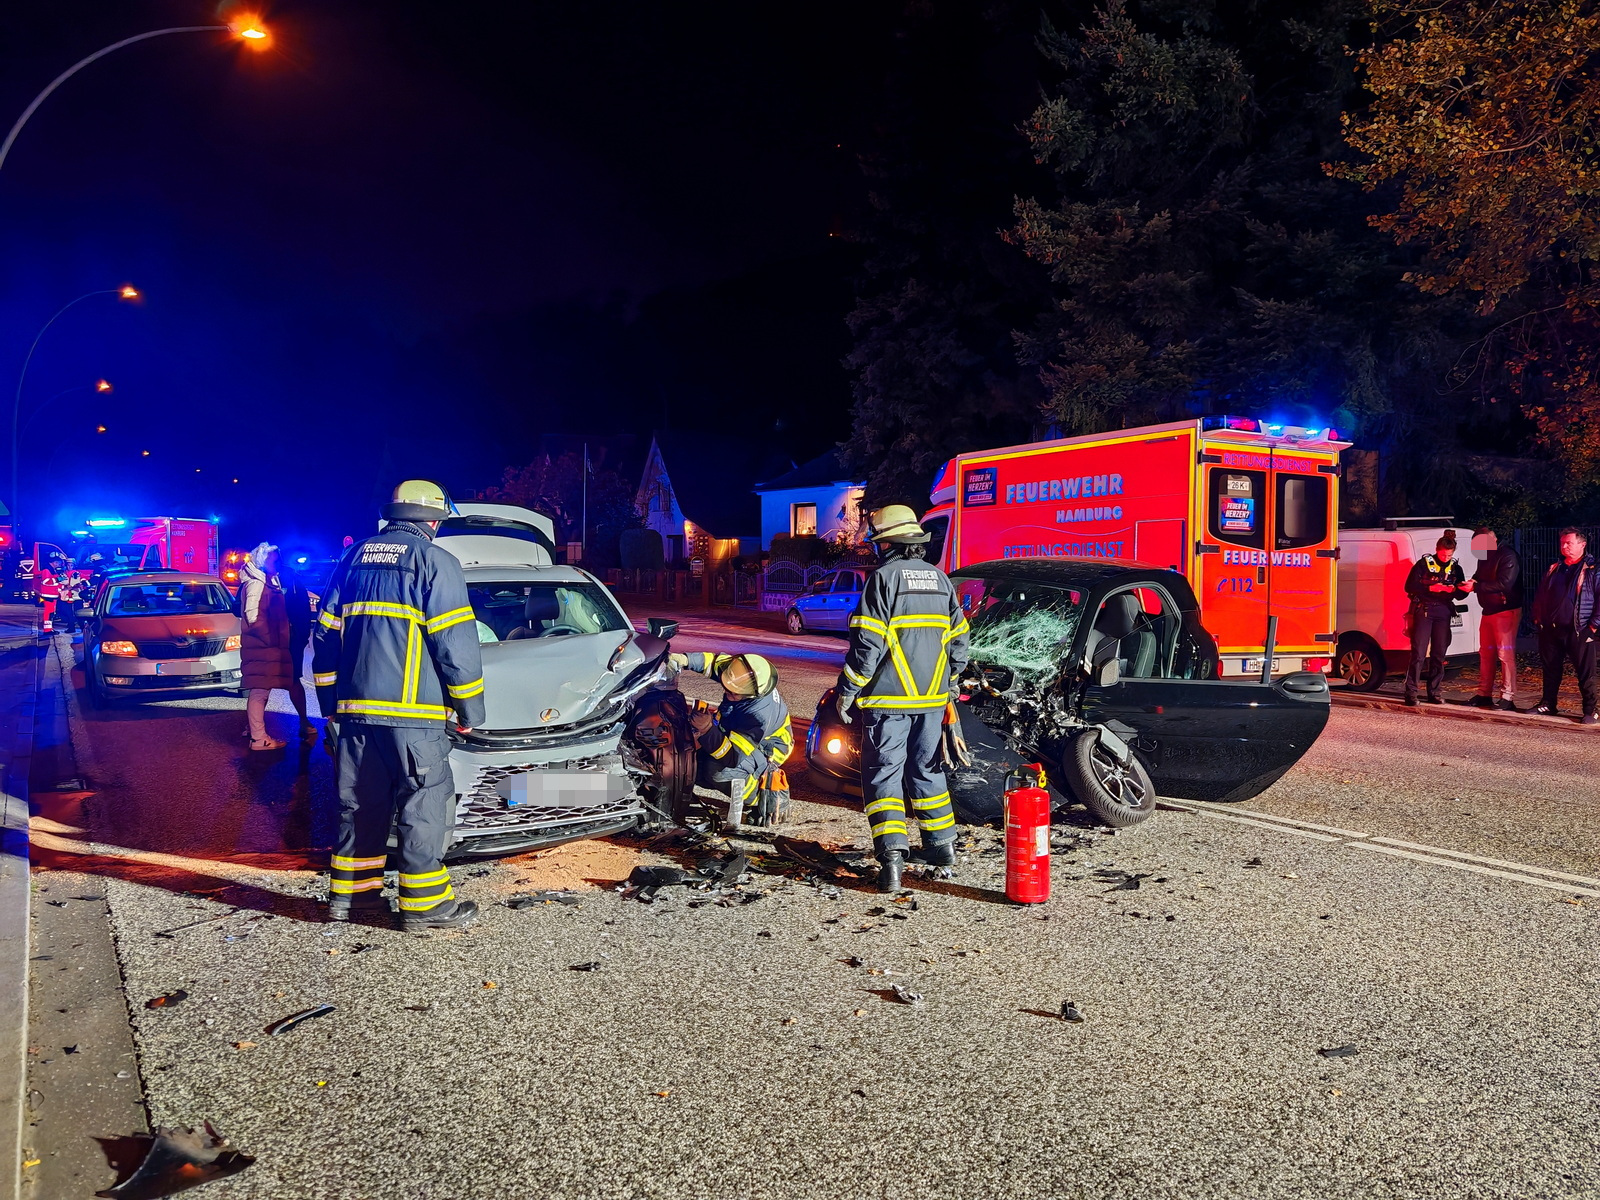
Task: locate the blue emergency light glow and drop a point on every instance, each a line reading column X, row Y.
column 80, row 533
column 105, row 522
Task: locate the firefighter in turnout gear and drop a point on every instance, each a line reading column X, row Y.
column 744, row 744
column 396, row 656
column 908, row 637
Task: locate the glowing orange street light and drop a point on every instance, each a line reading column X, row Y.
column 99, row 428
column 128, row 292
column 102, row 385
column 252, row 31
column 144, row 454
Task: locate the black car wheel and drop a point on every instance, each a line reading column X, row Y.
column 794, row 622
column 96, row 691
column 1119, row 794
column 1360, row 664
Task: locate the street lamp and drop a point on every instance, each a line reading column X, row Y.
column 249, row 30
column 125, row 292
column 99, row 385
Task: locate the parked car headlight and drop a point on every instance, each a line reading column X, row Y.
column 232, row 643
column 120, row 649
column 834, row 745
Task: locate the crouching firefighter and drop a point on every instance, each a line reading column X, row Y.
column 396, row 657
column 745, row 742
column 908, row 637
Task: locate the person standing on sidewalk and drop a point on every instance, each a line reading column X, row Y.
column 1497, row 583
column 395, row 656
column 1568, row 620
column 1433, row 585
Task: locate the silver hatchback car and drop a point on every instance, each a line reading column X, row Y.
column 153, row 634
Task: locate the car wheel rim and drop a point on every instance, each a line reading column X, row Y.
column 1356, row 667
column 1117, row 781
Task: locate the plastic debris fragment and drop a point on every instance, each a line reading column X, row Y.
column 293, row 1019
column 905, row 995
column 180, row 1158
column 167, row 999
column 1346, row 1051
column 1070, row 1012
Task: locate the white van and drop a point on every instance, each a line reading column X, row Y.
column 1372, row 601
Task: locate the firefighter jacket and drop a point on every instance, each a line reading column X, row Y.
column 908, row 636
column 1427, row 571
column 751, row 733
column 396, row 642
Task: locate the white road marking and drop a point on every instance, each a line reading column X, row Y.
column 1305, row 833
column 1477, row 870
column 1461, row 861
column 1493, row 862
column 1209, row 806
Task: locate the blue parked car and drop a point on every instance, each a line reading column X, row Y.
column 827, row 604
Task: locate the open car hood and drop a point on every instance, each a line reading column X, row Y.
column 544, row 683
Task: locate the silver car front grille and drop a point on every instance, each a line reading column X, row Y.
column 483, row 810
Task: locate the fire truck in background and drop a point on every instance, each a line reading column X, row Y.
column 151, row 544
column 1245, row 510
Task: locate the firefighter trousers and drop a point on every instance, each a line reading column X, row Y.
column 900, row 761
column 394, row 777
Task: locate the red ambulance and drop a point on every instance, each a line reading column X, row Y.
column 1246, row 511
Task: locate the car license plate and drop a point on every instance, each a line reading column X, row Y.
column 555, row 789
column 1252, row 666
column 184, row 666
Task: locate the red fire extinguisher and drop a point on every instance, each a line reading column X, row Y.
column 1027, row 836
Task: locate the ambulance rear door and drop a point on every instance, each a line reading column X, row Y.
column 1231, row 575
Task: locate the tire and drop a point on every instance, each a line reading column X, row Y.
column 1120, row 796
column 794, row 622
column 1360, row 663
column 660, row 731
column 96, row 691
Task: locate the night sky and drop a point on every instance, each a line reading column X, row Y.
column 413, row 237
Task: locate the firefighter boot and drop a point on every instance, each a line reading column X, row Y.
column 452, row 914
column 938, row 854
column 889, row 870
column 342, row 908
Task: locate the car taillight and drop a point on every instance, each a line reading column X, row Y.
column 120, row 649
column 1319, row 665
column 232, row 643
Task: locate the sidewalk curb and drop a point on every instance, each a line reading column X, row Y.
column 1461, row 712
column 14, row 938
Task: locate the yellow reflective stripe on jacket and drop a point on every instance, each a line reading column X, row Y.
column 959, row 629
column 870, row 624
column 325, row 678
column 411, row 671
column 905, row 703
column 382, row 608
column 454, row 617
column 328, row 621
column 391, row 708
column 856, row 677
column 744, row 743
column 721, row 749
column 465, row 691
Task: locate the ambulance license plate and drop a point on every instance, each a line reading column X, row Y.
column 1252, row 666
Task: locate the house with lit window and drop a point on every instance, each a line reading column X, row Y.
column 696, row 492
column 818, row 498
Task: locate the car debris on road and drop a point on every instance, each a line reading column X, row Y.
column 180, row 1158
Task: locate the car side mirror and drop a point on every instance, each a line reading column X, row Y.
column 661, row 627
column 1108, row 672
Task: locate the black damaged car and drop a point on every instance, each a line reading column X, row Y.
column 1101, row 671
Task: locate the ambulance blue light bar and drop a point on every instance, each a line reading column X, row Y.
column 1251, row 425
column 105, row 523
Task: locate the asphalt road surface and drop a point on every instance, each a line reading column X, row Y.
column 759, row 1049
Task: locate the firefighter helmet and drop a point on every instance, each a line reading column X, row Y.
column 419, row 500
column 748, row 675
column 895, row 523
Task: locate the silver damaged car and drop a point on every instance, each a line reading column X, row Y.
column 586, row 733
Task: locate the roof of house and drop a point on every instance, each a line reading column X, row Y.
column 713, row 477
column 821, row 471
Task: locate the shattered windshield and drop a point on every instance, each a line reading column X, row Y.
column 1021, row 625
column 508, row 612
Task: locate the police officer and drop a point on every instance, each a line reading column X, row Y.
column 908, row 637
column 396, row 656
column 1434, row 583
column 749, row 735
